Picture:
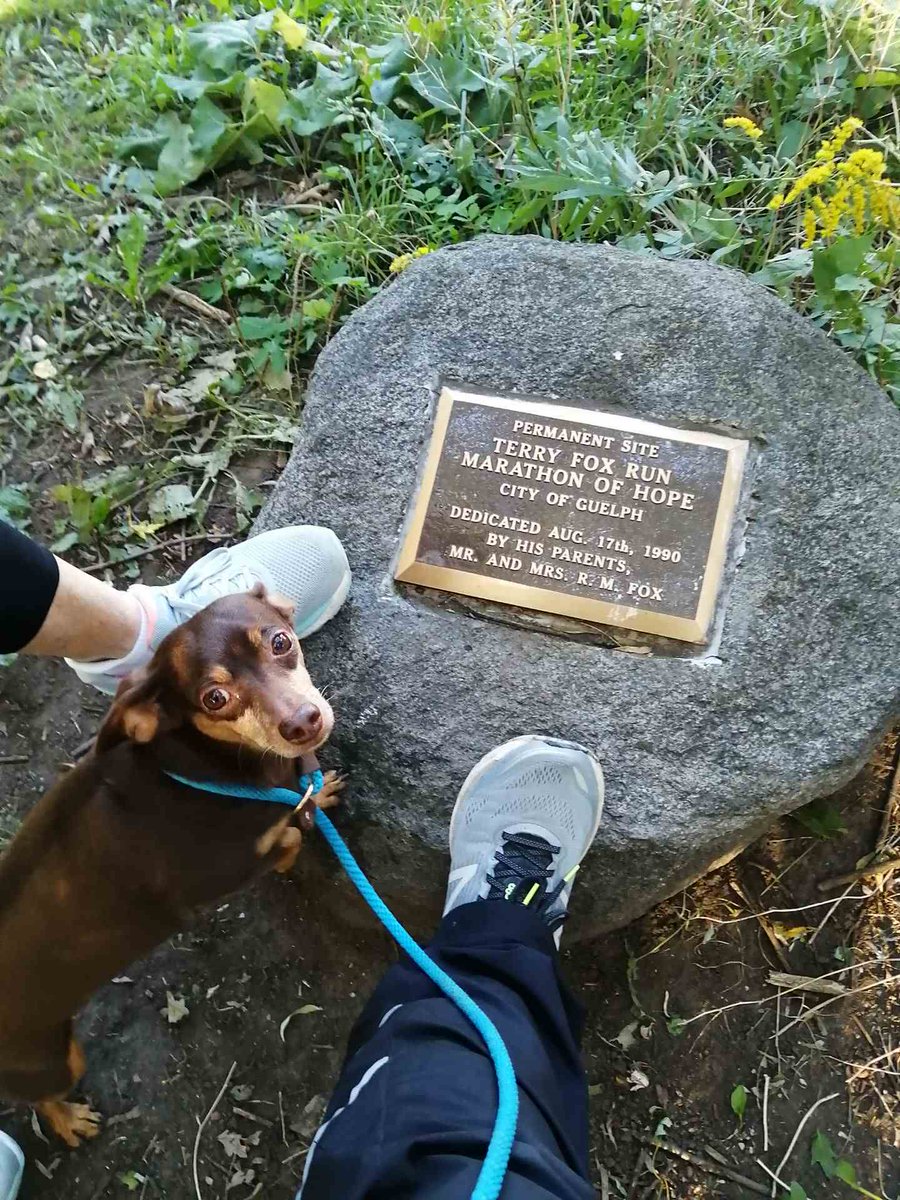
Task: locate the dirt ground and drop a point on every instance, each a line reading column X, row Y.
column 663, row 1048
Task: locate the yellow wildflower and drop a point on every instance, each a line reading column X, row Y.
column 813, row 177
column 832, row 146
column 403, row 260
column 745, row 125
column 864, row 164
column 843, row 190
column 858, row 207
column 809, row 228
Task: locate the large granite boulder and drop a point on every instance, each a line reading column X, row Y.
column 701, row 750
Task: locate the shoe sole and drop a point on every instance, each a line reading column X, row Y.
column 329, row 610
column 530, row 739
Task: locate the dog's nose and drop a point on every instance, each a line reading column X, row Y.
column 305, row 723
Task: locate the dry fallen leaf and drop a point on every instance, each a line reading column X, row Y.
column 790, row 933
column 303, row 1011
column 309, row 1120
column 233, row 1144
column 638, row 1079
column 176, row 1009
column 625, row 1037
column 44, row 369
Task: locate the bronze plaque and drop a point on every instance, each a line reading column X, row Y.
column 588, row 514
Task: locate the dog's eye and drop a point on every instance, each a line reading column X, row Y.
column 281, row 643
column 215, row 699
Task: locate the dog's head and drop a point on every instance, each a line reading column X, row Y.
column 235, row 672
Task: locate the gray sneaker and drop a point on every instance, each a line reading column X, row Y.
column 524, row 819
column 305, row 563
column 12, row 1164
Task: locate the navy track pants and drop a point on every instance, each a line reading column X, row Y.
column 412, row 1112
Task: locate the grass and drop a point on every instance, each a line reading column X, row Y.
column 151, row 145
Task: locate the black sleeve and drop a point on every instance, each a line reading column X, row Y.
column 29, row 577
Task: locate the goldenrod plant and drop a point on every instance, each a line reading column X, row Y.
column 851, row 191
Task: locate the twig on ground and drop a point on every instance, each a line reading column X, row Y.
column 636, row 1173
column 882, row 868
column 281, row 1115
column 242, row 1112
column 764, row 924
column 797, row 1132
column 866, row 987
column 303, row 209
column 189, row 300
column 194, row 537
column 772, row 1175
column 201, row 1125
column 828, row 915
column 604, row 1183
column 7, row 759
column 765, row 1114
column 807, row 983
column 705, row 1164
column 871, row 1063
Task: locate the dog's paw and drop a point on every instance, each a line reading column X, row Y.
column 71, row 1122
column 289, row 847
column 329, row 794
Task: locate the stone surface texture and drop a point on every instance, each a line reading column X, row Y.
column 700, row 753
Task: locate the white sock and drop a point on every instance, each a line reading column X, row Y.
column 139, row 653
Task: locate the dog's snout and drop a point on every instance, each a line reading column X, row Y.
column 305, row 723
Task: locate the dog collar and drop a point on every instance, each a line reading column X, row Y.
column 242, row 791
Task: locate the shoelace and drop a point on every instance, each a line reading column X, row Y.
column 522, row 867
column 222, row 580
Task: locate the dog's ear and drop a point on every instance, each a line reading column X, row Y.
column 136, row 714
column 280, row 603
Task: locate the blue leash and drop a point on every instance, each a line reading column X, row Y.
column 496, row 1161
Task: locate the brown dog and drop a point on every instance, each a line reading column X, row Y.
column 116, row 855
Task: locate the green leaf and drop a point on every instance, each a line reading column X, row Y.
column 223, row 45
column 851, row 283
column 310, row 109
column 264, row 100
column 66, row 542
column 187, row 89
column 86, row 511
column 739, row 1101
column 822, row 1155
column 208, row 125
column 130, row 244
column 257, row 329
column 174, row 502
column 14, row 505
column 247, row 501
column 143, row 146
column 177, row 164
column 847, row 1172
column 796, row 1192
column 131, row 1179
column 442, row 80
column 845, row 256
column 821, row 818
column 706, row 225
column 879, row 78
column 783, row 269
column 317, row 309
